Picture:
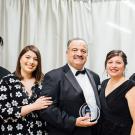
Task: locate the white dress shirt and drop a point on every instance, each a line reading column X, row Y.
column 88, row 92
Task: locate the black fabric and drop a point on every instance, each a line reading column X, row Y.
column 132, row 77
column 115, row 114
column 3, row 72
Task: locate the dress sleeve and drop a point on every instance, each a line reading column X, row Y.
column 9, row 109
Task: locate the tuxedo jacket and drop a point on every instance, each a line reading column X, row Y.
column 67, row 98
column 3, row 72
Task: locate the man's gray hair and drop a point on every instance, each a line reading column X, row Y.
column 77, row 38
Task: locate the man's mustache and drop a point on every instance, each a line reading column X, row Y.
column 78, row 57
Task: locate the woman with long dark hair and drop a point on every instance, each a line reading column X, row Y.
column 19, row 96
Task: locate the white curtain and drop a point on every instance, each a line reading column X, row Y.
column 113, row 28
column 49, row 24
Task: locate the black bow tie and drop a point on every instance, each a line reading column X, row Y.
column 80, row 72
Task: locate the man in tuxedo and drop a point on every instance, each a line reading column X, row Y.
column 3, row 71
column 70, row 87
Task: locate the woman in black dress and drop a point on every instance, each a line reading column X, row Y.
column 19, row 99
column 117, row 98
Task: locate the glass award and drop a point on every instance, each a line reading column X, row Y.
column 92, row 112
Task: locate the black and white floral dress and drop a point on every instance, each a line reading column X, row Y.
column 12, row 96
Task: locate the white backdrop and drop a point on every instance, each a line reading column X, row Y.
column 113, row 28
column 49, row 24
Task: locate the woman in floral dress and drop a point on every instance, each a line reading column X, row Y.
column 19, row 96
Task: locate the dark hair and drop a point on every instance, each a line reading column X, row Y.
column 77, row 38
column 38, row 72
column 1, row 41
column 114, row 53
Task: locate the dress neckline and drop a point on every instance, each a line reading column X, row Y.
column 115, row 89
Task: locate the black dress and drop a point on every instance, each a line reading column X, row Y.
column 115, row 115
column 132, row 77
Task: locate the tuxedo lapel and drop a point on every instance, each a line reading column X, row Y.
column 94, row 86
column 69, row 75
